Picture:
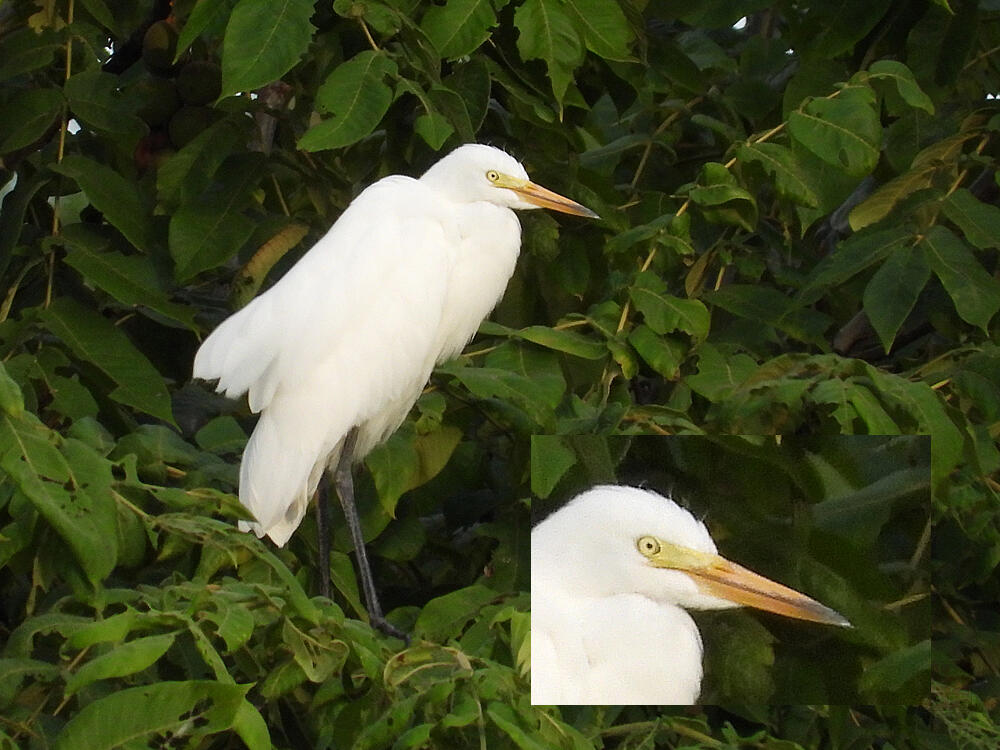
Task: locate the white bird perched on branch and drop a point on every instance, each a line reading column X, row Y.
column 611, row 574
column 335, row 354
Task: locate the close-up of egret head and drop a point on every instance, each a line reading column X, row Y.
column 337, row 352
column 612, row 573
column 475, row 172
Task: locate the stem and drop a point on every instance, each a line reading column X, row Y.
column 50, row 271
column 281, row 197
column 368, row 34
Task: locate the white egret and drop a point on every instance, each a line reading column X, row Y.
column 335, row 354
column 611, row 575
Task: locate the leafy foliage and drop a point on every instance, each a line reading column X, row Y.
column 799, row 238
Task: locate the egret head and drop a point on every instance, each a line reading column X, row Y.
column 613, row 540
column 475, row 172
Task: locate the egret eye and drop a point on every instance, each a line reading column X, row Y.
column 492, row 175
column 648, row 545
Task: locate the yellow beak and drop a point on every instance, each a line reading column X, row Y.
column 718, row 577
column 544, row 197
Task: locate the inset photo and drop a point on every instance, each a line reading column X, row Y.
column 731, row 570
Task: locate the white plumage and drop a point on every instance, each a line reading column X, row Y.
column 349, row 336
column 611, row 575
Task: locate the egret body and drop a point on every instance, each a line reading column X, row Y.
column 612, row 574
column 335, row 354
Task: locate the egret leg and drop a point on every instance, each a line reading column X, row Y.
column 344, row 482
column 323, row 535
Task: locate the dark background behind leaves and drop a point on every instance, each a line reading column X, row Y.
column 800, row 237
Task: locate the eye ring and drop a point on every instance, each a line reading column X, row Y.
column 648, row 545
column 493, row 176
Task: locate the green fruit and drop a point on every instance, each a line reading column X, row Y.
column 200, row 82
column 159, row 47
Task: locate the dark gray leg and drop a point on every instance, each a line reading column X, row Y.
column 344, row 483
column 323, row 534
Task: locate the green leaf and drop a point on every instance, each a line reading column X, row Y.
column 264, row 40
column 640, row 233
column 70, row 488
column 453, row 107
column 860, row 515
column 101, row 13
column 125, row 659
column 878, row 205
column 434, row 128
column 890, row 674
column 871, row 411
column 780, row 163
column 357, row 97
column 186, row 174
column 414, row 737
column 975, row 293
column 251, row 727
column 928, row 413
column 23, row 50
column 662, row 353
column 194, row 708
column 27, row 116
column 221, row 435
column 844, row 132
column 980, row 222
column 93, row 338
column 95, row 99
column 233, row 623
column 319, row 654
column 551, row 458
column 719, row 373
column 563, row 340
column 203, row 236
column 205, row 14
column 665, row 313
column 407, row 460
column 722, row 199
column 546, row 33
column 852, row 401
column 112, row 628
column 120, row 200
column 602, row 23
column 851, row 257
column 384, row 17
column 14, row 672
column 531, row 380
column 768, row 305
column 458, row 27
column 130, row 279
column 394, row 467
column 445, row 617
column 507, row 721
column 904, row 81
column 471, row 81
column 893, row 291
column 11, row 398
